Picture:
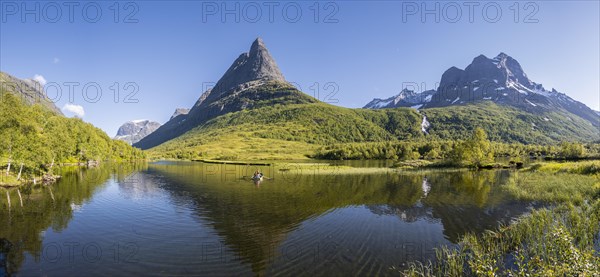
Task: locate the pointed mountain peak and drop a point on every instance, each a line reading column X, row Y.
column 515, row 72
column 258, row 45
column 255, row 65
column 262, row 65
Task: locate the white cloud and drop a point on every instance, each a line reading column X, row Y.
column 56, row 60
column 40, row 79
column 74, row 109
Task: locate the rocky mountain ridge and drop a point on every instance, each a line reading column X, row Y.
column 501, row 80
column 135, row 130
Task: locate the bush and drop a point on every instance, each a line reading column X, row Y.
column 571, row 150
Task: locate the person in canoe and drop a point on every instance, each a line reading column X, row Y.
column 257, row 175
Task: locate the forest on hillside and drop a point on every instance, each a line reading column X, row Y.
column 33, row 139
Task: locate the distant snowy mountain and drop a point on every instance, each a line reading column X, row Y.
column 501, row 80
column 406, row 98
column 135, row 130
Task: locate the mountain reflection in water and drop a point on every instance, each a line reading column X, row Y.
column 173, row 218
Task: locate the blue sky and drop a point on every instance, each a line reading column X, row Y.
column 169, row 51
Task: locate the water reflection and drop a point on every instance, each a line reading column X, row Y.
column 197, row 219
column 27, row 212
column 138, row 185
column 257, row 223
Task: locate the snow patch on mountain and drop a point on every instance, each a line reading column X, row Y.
column 529, row 102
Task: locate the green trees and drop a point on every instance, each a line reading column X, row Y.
column 38, row 138
column 18, row 134
column 475, row 151
column 571, row 150
column 432, row 155
column 480, row 149
column 395, row 150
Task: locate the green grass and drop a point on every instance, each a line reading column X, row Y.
column 235, row 145
column 583, row 167
column 324, row 168
column 553, row 187
column 548, row 242
column 557, row 182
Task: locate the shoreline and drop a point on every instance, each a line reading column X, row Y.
column 44, row 180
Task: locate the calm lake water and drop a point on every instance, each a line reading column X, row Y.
column 186, row 218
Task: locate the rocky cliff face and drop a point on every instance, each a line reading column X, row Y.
column 251, row 66
column 134, row 131
column 30, row 90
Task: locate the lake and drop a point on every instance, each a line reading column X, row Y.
column 192, row 218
